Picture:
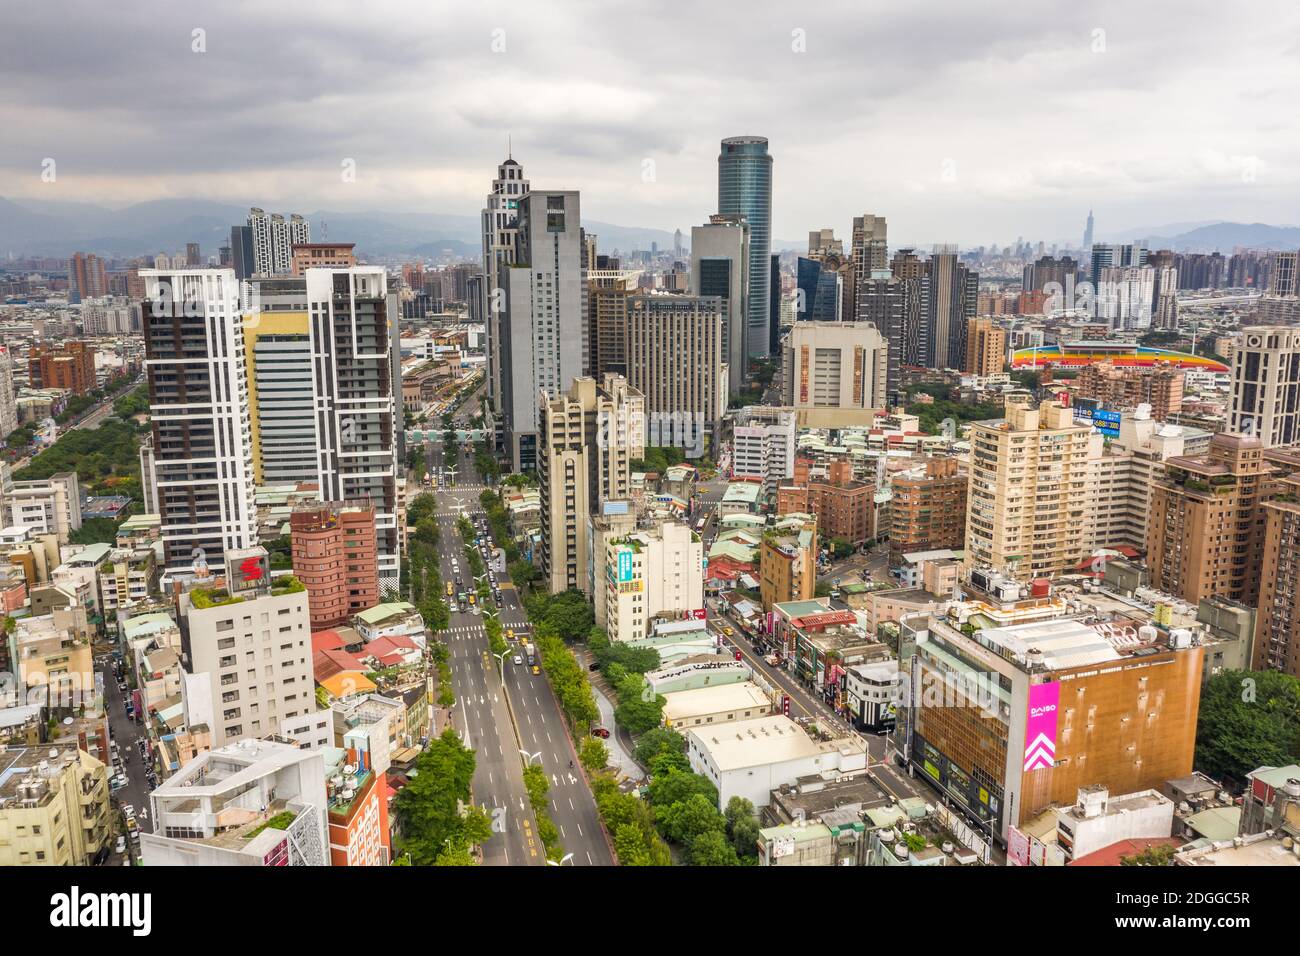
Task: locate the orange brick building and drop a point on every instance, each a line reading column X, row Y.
column 844, row 507
column 335, row 556
column 71, row 367
column 928, row 510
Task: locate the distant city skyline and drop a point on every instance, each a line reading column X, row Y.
column 974, row 125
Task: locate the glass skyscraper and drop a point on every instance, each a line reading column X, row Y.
column 745, row 189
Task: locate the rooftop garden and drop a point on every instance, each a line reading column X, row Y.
column 280, row 821
column 204, row 598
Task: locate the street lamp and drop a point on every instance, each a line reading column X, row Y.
column 528, row 758
column 501, row 664
column 567, row 858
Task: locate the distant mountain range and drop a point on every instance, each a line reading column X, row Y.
column 1212, row 236
column 48, row 228
column 51, row 228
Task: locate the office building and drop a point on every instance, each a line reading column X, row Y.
column 763, row 445
column 321, row 255
column 198, row 404
column 1029, row 491
column 788, row 564
column 745, row 189
column 242, row 261
column 675, row 360
column 893, row 306
column 1087, row 233
column 1266, row 385
column 720, row 258
column 355, row 354
column 1008, row 721
column 588, row 439
column 834, row 372
column 273, row 238
column 651, row 573
column 986, row 347
column 927, row 510
column 1206, row 529
column 544, row 337
column 820, row 290
column 247, row 803
column 499, row 222
column 54, row 808
column 249, row 660
column 950, row 295
column 335, row 557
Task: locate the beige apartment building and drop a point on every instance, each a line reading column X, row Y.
column 834, row 373
column 986, row 347
column 249, row 653
column 1133, row 461
column 1029, row 496
column 1266, row 385
column 587, row 441
column 54, row 808
column 788, row 565
column 651, row 572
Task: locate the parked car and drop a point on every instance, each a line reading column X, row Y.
column 121, row 845
column 600, row 732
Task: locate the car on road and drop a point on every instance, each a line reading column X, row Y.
column 601, row 732
column 518, row 659
column 594, row 666
column 117, row 781
column 120, row 847
column 773, row 660
column 729, row 631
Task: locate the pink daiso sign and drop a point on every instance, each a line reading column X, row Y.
column 1040, row 726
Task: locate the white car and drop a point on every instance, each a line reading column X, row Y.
column 518, row 659
column 121, row 845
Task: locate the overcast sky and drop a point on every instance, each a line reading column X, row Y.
column 976, row 123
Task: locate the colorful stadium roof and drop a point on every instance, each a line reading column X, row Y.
column 1074, row 354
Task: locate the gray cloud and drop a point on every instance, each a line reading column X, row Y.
column 1161, row 126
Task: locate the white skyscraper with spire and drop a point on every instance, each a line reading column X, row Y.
column 1087, row 233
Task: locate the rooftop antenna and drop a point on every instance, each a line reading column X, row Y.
column 510, row 151
column 324, row 231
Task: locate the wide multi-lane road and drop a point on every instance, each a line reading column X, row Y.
column 500, row 722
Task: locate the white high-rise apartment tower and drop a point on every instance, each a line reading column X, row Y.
column 198, row 388
column 353, row 329
column 273, row 240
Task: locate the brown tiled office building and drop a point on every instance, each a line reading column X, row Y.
column 928, row 511
column 335, row 556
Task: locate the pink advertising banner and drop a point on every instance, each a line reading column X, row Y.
column 1040, row 726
